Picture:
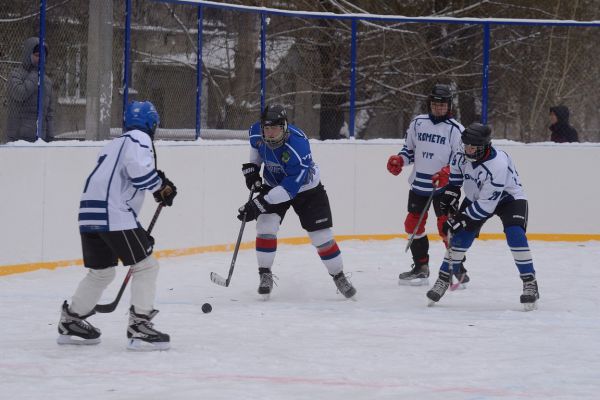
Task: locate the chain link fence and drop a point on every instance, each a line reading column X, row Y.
column 338, row 77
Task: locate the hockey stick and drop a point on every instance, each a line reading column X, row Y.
column 425, row 211
column 218, row 279
column 110, row 307
column 453, row 286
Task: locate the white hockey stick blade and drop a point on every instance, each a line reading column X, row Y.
column 218, row 279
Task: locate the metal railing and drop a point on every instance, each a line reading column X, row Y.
column 339, row 75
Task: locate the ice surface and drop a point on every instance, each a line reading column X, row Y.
column 308, row 342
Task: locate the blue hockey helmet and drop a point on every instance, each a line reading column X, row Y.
column 142, row 115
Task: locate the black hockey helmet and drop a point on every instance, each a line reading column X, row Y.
column 440, row 94
column 478, row 135
column 274, row 115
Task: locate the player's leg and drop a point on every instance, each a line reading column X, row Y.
column 315, row 215
column 458, row 270
column 134, row 249
column 99, row 261
column 267, row 226
column 419, row 272
column 459, row 244
column 514, row 217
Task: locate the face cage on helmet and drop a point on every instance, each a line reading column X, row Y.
column 479, row 153
column 447, row 100
column 278, row 141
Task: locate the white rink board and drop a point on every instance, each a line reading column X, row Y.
column 42, row 184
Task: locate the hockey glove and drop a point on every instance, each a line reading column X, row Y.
column 441, row 178
column 395, row 164
column 252, row 175
column 167, row 192
column 457, row 223
column 449, row 200
column 252, row 209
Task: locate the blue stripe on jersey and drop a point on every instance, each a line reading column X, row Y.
column 93, row 204
column 474, row 211
column 112, row 174
column 136, row 141
column 147, row 185
column 143, row 178
column 89, row 216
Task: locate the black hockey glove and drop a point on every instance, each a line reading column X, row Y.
column 457, row 223
column 252, row 209
column 252, row 175
column 449, row 200
column 167, row 192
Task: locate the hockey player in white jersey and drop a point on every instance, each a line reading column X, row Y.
column 431, row 141
column 492, row 187
column 110, row 231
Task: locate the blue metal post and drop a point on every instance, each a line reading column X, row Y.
column 352, row 79
column 126, row 61
column 263, row 59
column 485, row 73
column 41, row 73
column 199, row 73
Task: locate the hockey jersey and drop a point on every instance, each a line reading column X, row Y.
column 486, row 183
column 430, row 147
column 289, row 169
column 114, row 192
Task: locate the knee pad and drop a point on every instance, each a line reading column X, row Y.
column 321, row 237
column 103, row 276
column 410, row 223
column 268, row 224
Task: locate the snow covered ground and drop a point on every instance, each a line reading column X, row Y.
column 308, row 342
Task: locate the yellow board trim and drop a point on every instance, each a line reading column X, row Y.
column 545, row 237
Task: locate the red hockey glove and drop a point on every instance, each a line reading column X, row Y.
column 441, row 178
column 395, row 164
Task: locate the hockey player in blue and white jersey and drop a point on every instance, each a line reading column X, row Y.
column 431, row 141
column 291, row 178
column 110, row 231
column 492, row 187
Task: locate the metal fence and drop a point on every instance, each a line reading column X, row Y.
column 361, row 76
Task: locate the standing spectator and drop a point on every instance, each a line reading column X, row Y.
column 291, row 179
column 110, row 231
column 431, row 141
column 562, row 131
column 492, row 187
column 22, row 98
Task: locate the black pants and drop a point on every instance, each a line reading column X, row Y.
column 312, row 208
column 105, row 249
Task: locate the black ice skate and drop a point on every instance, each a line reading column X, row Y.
column 142, row 335
column 417, row 276
column 343, row 285
column 439, row 288
column 74, row 329
column 266, row 282
column 530, row 292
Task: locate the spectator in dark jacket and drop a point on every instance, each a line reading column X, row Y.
column 559, row 125
column 22, row 94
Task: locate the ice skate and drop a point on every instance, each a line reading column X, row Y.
column 343, row 285
column 439, row 288
column 266, row 283
column 530, row 294
column 141, row 334
column 74, row 329
column 417, row 276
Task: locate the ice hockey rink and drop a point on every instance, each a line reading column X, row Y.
column 308, row 342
